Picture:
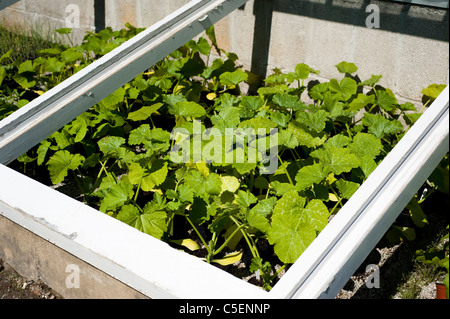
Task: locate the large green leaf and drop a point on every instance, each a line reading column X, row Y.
column 288, row 101
column 346, row 88
column 26, row 66
column 112, row 100
column 233, row 78
column 360, row 102
column 187, row 109
column 148, row 177
column 309, row 175
column 53, row 65
column 386, row 100
column 306, row 136
column 380, row 126
column 116, row 195
column 246, row 199
column 365, row 144
column 433, row 90
column 315, row 121
column 291, row 230
column 110, row 144
column 144, row 112
column 338, row 160
column 228, row 117
column 60, row 164
column 150, row 222
column 25, row 82
column 346, row 188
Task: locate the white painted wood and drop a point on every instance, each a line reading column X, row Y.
column 37, row 120
column 327, row 264
column 138, row 260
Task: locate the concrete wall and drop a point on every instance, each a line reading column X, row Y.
column 410, row 48
column 67, row 275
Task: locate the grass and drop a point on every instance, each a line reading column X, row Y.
column 25, row 42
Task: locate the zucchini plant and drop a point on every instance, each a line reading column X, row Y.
column 182, row 154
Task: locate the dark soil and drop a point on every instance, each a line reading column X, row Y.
column 13, row 286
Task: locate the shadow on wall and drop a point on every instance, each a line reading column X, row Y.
column 404, row 18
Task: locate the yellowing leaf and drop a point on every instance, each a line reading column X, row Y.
column 229, row 259
column 190, row 244
column 211, row 96
column 230, row 183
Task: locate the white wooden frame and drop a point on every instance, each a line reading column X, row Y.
column 320, row 272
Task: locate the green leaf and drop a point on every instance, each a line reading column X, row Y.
column 228, row 117
column 367, row 165
column 155, row 140
column 317, row 91
column 360, row 102
column 372, row 81
column 111, row 101
column 187, row 109
column 64, row 30
column 6, row 56
column 2, row 74
column 42, row 151
column 291, row 231
column 264, row 207
column 315, row 121
column 306, row 136
column 155, row 176
column 253, row 103
column 233, row 78
column 303, row 70
column 417, row 214
column 24, row 81
column 339, row 140
column 346, row 188
column 433, row 90
column 144, row 112
column 281, row 188
column 309, row 175
column 50, row 51
column 365, row 144
column 26, row 66
column 386, row 100
column 60, row 164
column 71, row 55
column 346, row 67
column 257, row 216
column 288, row 101
column 79, row 128
column 110, row 145
column 271, row 90
column 338, row 160
column 257, row 123
column 346, row 88
column 246, row 198
column 53, row 65
column 318, row 214
column 116, row 195
column 229, row 183
column 380, row 126
column 150, row 222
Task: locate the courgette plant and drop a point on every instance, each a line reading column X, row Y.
column 191, row 106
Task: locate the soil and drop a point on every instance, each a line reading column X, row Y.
column 14, row 286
